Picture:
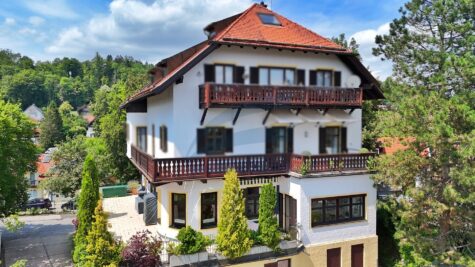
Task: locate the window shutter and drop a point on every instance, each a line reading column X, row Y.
column 254, row 75
column 337, row 77
column 268, row 140
column 238, row 74
column 313, row 77
column 344, row 147
column 300, row 77
column 229, row 140
column 163, row 138
column 201, row 141
column 209, row 73
column 290, row 140
column 321, row 136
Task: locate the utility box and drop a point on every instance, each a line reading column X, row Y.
column 114, row 191
column 139, row 205
column 150, row 209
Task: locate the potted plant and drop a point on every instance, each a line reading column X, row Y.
column 133, row 187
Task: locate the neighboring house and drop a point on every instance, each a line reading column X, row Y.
column 36, row 115
column 85, row 113
column 281, row 105
column 43, row 165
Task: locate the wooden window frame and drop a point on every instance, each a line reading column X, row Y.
column 281, row 68
column 287, row 137
column 138, row 135
column 227, row 143
column 215, row 223
column 173, row 224
column 337, row 206
column 164, row 138
column 332, row 71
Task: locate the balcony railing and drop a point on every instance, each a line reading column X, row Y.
column 251, row 95
column 175, row 169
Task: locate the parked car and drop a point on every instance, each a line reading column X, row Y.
column 39, row 203
column 70, row 205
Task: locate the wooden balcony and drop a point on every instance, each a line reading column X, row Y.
column 262, row 96
column 179, row 169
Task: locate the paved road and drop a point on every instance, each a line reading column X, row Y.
column 45, row 241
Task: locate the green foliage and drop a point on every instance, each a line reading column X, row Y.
column 65, row 177
column 268, row 225
column 233, row 234
column 256, row 239
column 25, row 87
column 51, row 127
column 19, row 263
column 430, row 107
column 352, row 45
column 18, row 156
column 388, row 254
column 35, row 211
column 12, row 223
column 87, row 203
column 101, row 248
column 73, row 124
column 191, row 242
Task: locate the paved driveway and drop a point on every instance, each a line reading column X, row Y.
column 45, row 241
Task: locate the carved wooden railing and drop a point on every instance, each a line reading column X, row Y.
column 242, row 95
column 324, row 163
column 245, row 165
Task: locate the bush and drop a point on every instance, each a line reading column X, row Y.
column 133, row 185
column 256, row 240
column 191, row 242
column 12, row 223
column 233, row 234
column 142, row 250
column 35, row 211
column 19, row 263
column 268, row 226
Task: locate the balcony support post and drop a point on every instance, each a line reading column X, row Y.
column 266, row 117
column 203, row 116
column 236, row 116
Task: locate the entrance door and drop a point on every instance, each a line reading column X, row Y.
column 290, row 213
column 334, row 257
column 357, row 252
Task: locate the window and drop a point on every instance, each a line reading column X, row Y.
column 279, row 140
column 333, row 140
column 215, row 140
column 276, row 76
column 269, row 19
column 224, row 73
column 178, row 210
column 281, row 263
column 209, row 217
column 251, row 195
column 337, row 209
column 357, row 255
column 324, row 78
column 142, row 138
column 163, row 138
column 334, row 257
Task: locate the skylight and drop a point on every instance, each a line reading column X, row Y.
column 269, row 19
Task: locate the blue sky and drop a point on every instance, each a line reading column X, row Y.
column 153, row 29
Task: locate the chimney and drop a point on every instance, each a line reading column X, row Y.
column 263, row 4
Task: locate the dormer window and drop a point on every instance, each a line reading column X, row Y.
column 269, row 19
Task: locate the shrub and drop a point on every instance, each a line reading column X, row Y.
column 87, row 203
column 19, row 263
column 256, row 240
column 12, row 223
column 142, row 250
column 268, row 226
column 191, row 241
column 133, row 185
column 233, row 234
column 101, row 248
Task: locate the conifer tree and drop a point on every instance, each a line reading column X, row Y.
column 233, row 234
column 88, row 199
column 268, row 226
column 101, row 248
column 51, row 127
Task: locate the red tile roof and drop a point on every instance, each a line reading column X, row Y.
column 42, row 167
column 247, row 29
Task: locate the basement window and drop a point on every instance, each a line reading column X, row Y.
column 269, row 19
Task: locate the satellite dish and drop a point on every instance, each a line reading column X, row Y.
column 353, row 81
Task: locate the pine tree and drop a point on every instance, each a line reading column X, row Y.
column 233, row 234
column 268, row 225
column 101, row 248
column 431, row 100
column 88, row 199
column 51, row 127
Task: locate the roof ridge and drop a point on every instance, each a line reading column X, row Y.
column 223, row 32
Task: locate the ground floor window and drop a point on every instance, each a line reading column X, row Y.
column 178, row 210
column 209, row 210
column 251, row 195
column 280, row 263
column 334, row 257
column 337, row 209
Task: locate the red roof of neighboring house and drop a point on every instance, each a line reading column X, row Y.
column 89, row 118
column 247, row 29
column 43, row 164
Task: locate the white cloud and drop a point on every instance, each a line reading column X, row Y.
column 52, row 8
column 149, row 31
column 10, row 21
column 36, row 21
column 366, row 40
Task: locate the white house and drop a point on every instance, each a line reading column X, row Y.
column 278, row 103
